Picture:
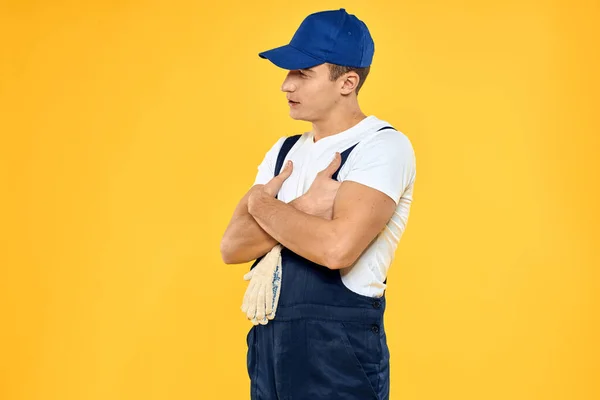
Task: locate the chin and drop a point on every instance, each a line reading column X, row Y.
column 295, row 116
column 299, row 117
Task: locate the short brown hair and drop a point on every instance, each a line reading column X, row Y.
column 335, row 71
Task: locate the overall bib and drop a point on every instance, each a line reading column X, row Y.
column 326, row 341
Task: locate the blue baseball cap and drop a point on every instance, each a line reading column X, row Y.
column 333, row 36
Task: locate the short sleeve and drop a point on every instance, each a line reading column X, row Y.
column 266, row 169
column 385, row 162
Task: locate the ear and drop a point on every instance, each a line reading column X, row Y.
column 349, row 82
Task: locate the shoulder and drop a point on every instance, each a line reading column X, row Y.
column 278, row 144
column 276, row 148
column 388, row 143
column 289, row 139
column 384, row 161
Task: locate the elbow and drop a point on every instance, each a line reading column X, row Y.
column 334, row 265
column 226, row 254
column 338, row 263
column 337, row 257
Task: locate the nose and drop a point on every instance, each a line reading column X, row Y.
column 288, row 85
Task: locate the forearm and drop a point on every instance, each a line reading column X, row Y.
column 244, row 239
column 310, row 236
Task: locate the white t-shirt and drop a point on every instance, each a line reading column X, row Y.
column 383, row 160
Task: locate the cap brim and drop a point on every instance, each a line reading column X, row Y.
column 288, row 57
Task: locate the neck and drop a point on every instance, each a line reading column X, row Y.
column 335, row 123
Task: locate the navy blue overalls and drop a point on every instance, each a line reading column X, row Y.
column 326, row 341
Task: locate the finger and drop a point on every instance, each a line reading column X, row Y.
column 251, row 311
column 249, row 290
column 284, row 173
column 248, row 300
column 274, row 185
column 260, row 302
column 278, row 180
column 333, row 165
column 287, row 170
column 248, row 275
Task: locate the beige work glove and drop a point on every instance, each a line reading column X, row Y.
column 262, row 294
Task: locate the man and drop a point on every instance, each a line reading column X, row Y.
column 335, row 210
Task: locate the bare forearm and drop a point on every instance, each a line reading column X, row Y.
column 310, row 236
column 244, row 239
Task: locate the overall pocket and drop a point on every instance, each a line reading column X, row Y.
column 335, row 369
column 364, row 343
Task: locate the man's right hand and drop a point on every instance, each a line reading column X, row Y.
column 321, row 194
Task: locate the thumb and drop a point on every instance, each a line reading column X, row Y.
column 249, row 274
column 286, row 171
column 274, row 185
column 333, row 165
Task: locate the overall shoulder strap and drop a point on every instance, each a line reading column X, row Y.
column 285, row 149
column 346, row 153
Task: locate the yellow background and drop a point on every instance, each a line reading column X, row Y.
column 130, row 130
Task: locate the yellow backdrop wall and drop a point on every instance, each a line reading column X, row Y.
column 130, row 130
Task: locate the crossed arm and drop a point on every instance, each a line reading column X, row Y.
column 244, row 240
column 360, row 213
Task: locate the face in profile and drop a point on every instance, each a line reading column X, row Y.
column 310, row 93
